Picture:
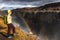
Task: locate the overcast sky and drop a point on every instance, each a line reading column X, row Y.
column 13, row 4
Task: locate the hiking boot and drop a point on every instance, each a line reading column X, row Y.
column 9, row 36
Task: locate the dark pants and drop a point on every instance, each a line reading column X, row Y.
column 10, row 27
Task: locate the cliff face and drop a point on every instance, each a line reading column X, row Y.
column 44, row 20
column 46, row 24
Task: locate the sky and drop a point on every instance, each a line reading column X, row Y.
column 13, row 4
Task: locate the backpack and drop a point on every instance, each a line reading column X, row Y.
column 5, row 19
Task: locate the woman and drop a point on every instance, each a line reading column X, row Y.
column 10, row 25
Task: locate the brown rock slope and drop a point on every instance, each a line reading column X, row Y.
column 19, row 34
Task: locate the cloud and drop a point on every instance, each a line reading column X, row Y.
column 5, row 5
column 22, row 0
column 13, row 5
